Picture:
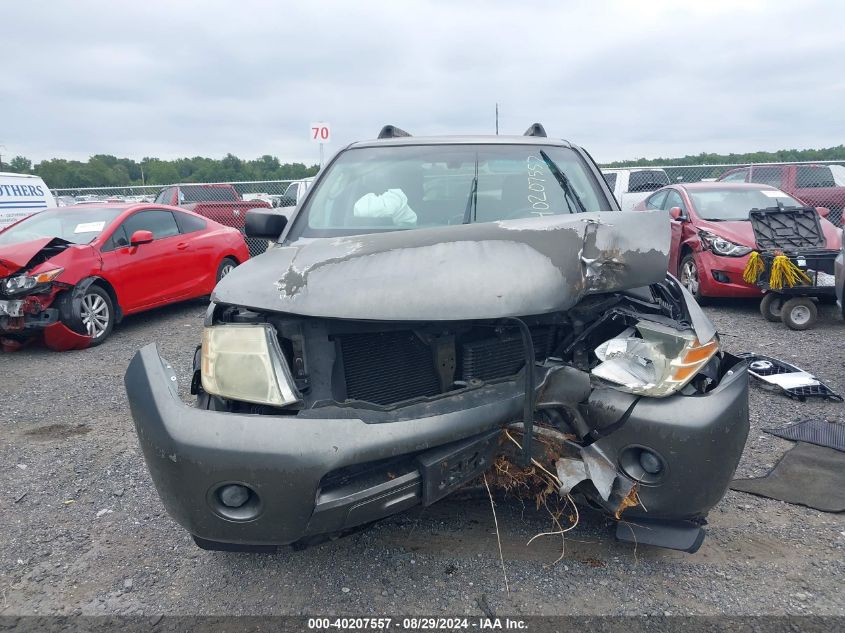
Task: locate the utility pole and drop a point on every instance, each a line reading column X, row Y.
column 497, row 118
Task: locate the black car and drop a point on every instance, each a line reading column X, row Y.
column 435, row 306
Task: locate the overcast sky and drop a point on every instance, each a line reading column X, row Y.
column 624, row 79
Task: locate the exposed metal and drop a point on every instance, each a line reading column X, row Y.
column 390, row 276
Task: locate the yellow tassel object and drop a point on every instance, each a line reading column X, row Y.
column 753, row 268
column 785, row 272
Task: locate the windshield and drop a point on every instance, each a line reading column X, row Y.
column 78, row 225
column 734, row 204
column 376, row 189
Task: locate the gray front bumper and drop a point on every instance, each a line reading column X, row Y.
column 190, row 452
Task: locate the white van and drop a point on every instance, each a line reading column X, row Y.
column 22, row 195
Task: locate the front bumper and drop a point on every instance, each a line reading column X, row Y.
column 729, row 271
column 285, row 459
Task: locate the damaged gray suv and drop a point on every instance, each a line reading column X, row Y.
column 434, row 311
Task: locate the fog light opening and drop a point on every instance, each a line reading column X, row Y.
column 642, row 464
column 233, row 495
column 235, row 501
column 650, row 462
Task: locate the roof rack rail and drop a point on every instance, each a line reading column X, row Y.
column 391, row 131
column 536, row 129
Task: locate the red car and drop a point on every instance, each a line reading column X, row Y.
column 71, row 273
column 712, row 236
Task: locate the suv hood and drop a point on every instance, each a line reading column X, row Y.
column 472, row 271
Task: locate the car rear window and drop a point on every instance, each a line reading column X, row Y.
column 610, row 179
column 206, row 194
column 772, row 176
column 647, row 180
column 811, row 176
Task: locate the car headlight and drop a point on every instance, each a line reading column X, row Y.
column 244, row 362
column 721, row 246
column 658, row 364
column 22, row 283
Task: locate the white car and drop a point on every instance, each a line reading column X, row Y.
column 21, row 195
column 294, row 192
column 632, row 186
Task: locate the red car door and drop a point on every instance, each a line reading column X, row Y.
column 144, row 276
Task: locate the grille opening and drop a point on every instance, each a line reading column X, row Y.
column 386, row 368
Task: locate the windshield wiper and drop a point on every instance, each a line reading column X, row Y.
column 471, row 210
column 564, row 183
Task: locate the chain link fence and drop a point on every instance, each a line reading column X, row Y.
column 818, row 184
column 223, row 202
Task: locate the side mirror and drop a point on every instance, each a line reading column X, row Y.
column 264, row 223
column 823, row 211
column 141, row 237
column 676, row 214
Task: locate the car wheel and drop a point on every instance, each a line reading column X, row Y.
column 771, row 307
column 799, row 313
column 690, row 277
column 226, row 266
column 96, row 314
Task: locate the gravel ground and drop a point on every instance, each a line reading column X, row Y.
column 84, row 531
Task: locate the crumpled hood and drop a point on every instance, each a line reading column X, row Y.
column 472, row 271
column 13, row 257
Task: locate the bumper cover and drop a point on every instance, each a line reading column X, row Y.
column 191, row 452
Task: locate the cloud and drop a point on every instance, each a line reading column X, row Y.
column 623, row 79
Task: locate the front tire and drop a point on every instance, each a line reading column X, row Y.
column 226, row 266
column 690, row 277
column 96, row 315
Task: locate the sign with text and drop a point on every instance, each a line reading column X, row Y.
column 321, row 132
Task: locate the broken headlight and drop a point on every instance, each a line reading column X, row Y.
column 244, row 362
column 657, row 363
column 24, row 283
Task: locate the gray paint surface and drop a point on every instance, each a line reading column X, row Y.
column 472, row 271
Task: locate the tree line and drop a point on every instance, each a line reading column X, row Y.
column 104, row 170
column 780, row 156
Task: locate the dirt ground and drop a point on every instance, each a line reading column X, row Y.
column 83, row 530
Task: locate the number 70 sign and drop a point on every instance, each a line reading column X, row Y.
column 321, row 132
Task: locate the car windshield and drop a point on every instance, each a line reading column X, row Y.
column 375, row 189
column 78, row 225
column 734, row 204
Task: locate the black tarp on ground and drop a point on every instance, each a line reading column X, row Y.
column 808, row 475
column 830, row 434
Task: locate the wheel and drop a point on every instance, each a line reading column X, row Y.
column 226, row 266
column 690, row 277
column 771, row 306
column 799, row 313
column 96, row 314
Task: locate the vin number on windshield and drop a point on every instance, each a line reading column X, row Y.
column 536, row 171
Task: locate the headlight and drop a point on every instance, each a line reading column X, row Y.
column 658, row 364
column 721, row 246
column 244, row 362
column 22, row 283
